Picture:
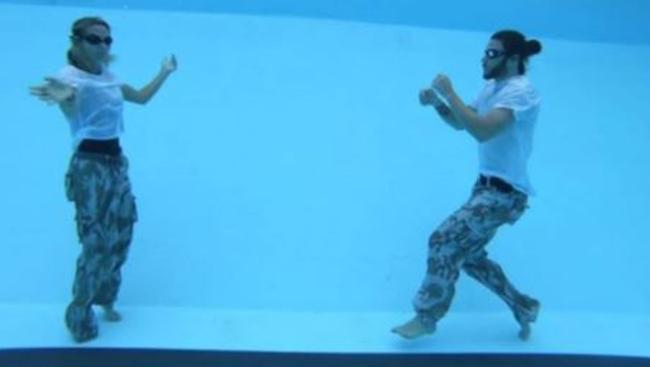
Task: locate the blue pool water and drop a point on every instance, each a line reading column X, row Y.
column 287, row 179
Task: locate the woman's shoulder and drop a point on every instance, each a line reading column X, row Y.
column 74, row 75
column 67, row 70
column 68, row 74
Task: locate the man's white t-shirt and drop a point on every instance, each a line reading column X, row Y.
column 506, row 154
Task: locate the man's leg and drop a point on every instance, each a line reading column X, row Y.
column 499, row 208
column 490, row 274
column 463, row 234
column 448, row 247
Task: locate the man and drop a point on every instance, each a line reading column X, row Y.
column 502, row 120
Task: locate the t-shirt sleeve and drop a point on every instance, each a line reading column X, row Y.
column 521, row 101
column 473, row 104
column 68, row 76
column 114, row 79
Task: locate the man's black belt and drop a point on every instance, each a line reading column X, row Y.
column 497, row 183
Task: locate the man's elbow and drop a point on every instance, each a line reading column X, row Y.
column 479, row 139
column 140, row 99
column 483, row 136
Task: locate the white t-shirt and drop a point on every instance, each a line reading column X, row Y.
column 506, row 154
column 97, row 107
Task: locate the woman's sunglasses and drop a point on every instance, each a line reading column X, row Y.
column 94, row 39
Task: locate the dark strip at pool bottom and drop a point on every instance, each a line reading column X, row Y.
column 126, row 357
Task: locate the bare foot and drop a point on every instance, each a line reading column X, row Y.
column 110, row 314
column 413, row 329
column 524, row 332
column 85, row 336
column 525, row 320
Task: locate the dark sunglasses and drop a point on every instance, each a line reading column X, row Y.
column 491, row 53
column 94, row 39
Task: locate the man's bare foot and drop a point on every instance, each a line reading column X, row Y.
column 110, row 314
column 413, row 329
column 524, row 332
column 526, row 319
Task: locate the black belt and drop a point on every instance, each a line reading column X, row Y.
column 497, row 183
column 107, row 147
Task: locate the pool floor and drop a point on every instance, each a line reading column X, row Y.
column 41, row 326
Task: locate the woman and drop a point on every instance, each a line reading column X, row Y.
column 91, row 99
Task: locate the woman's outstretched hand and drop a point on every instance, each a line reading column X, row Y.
column 53, row 91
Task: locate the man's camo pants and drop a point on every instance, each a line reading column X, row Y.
column 105, row 213
column 459, row 243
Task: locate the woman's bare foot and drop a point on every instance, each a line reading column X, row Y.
column 414, row 328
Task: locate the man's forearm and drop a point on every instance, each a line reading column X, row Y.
column 466, row 117
column 447, row 115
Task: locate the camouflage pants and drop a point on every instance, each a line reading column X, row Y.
column 105, row 213
column 459, row 243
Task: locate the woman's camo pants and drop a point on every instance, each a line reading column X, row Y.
column 105, row 213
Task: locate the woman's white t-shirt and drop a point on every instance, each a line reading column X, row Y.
column 97, row 106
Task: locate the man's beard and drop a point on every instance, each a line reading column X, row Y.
column 497, row 71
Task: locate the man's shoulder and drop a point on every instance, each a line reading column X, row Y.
column 520, row 82
column 520, row 85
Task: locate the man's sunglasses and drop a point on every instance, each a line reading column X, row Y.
column 94, row 39
column 491, row 53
